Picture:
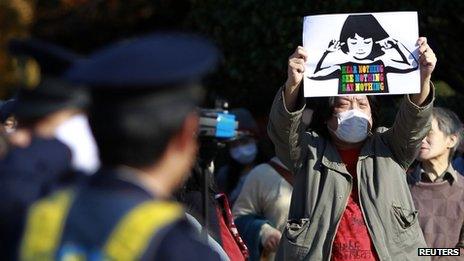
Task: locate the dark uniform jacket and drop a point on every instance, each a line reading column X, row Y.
column 26, row 175
column 102, row 202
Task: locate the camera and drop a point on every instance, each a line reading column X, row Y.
column 217, row 124
column 217, row 127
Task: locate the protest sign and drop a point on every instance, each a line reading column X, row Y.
column 369, row 53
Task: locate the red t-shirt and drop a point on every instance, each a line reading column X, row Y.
column 352, row 240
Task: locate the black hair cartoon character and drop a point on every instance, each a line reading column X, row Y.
column 363, row 56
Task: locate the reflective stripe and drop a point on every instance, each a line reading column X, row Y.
column 44, row 226
column 131, row 237
column 128, row 240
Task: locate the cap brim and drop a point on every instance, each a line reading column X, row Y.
column 157, row 59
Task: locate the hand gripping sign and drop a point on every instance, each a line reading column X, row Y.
column 369, row 53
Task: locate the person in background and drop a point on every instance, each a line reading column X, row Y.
column 436, row 188
column 242, row 155
column 144, row 94
column 37, row 163
column 57, row 111
column 261, row 209
column 350, row 197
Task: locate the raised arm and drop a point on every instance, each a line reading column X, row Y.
column 285, row 125
column 295, row 72
column 427, row 62
column 414, row 117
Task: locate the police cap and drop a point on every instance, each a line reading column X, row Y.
column 152, row 61
column 51, row 92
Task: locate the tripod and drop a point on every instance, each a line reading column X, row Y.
column 207, row 154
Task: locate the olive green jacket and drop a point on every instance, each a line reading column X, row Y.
column 322, row 184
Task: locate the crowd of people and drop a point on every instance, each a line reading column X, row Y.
column 99, row 160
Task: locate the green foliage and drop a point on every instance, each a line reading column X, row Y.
column 258, row 36
column 443, row 90
column 255, row 36
column 449, row 98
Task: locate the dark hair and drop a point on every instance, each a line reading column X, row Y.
column 323, row 111
column 133, row 128
column 449, row 123
column 365, row 26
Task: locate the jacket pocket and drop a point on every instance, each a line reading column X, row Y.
column 293, row 245
column 404, row 225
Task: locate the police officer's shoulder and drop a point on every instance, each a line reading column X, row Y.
column 153, row 60
column 42, row 157
column 180, row 242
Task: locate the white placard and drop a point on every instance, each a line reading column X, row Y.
column 368, row 53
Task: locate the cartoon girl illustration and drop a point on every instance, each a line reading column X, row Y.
column 362, row 57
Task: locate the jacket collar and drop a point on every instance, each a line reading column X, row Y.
column 367, row 149
column 129, row 175
column 418, row 171
column 453, row 172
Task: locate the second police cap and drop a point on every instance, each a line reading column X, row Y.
column 49, row 92
column 153, row 60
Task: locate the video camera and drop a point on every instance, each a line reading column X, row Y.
column 217, row 124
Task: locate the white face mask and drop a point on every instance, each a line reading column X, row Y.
column 353, row 126
column 244, row 154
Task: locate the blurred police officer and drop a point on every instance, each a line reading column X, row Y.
column 54, row 108
column 39, row 163
column 144, row 93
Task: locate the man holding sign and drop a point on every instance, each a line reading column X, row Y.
column 350, row 200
